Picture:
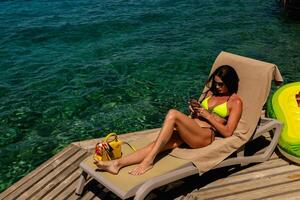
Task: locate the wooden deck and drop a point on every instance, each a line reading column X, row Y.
column 57, row 179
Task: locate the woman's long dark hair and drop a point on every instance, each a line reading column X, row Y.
column 229, row 77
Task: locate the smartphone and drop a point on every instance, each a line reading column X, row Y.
column 194, row 103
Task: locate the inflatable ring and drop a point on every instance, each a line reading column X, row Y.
column 286, row 108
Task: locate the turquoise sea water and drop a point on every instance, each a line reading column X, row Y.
column 75, row 70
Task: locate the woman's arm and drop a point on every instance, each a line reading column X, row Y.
column 235, row 114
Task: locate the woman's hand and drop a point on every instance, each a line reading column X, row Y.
column 202, row 112
column 193, row 104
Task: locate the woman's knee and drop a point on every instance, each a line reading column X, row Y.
column 172, row 115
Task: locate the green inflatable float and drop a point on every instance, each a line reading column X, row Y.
column 285, row 106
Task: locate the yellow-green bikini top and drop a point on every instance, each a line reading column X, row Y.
column 221, row 109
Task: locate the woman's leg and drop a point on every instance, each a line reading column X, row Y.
column 189, row 131
column 136, row 157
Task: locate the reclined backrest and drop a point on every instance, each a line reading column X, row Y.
column 254, row 87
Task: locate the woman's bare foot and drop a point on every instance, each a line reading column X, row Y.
column 141, row 168
column 109, row 166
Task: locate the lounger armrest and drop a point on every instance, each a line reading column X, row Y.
column 266, row 125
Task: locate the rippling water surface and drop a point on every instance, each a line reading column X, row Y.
column 75, row 70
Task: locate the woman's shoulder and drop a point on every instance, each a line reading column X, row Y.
column 206, row 95
column 235, row 99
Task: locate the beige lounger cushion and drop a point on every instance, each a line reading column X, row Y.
column 124, row 181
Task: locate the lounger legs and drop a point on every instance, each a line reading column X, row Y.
column 241, row 153
column 156, row 182
column 81, row 183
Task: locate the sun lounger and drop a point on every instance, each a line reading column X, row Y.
column 255, row 83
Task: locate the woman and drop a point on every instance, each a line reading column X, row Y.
column 218, row 113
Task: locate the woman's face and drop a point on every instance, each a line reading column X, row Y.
column 220, row 86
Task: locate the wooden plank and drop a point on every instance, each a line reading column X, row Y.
column 263, row 174
column 273, row 163
column 92, row 188
column 33, row 173
column 290, row 195
column 63, row 174
column 275, row 154
column 62, row 185
column 88, row 196
column 222, row 190
column 24, row 184
column 69, row 192
column 42, row 184
column 263, row 193
column 96, row 198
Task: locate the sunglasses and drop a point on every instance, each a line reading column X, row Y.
column 218, row 84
